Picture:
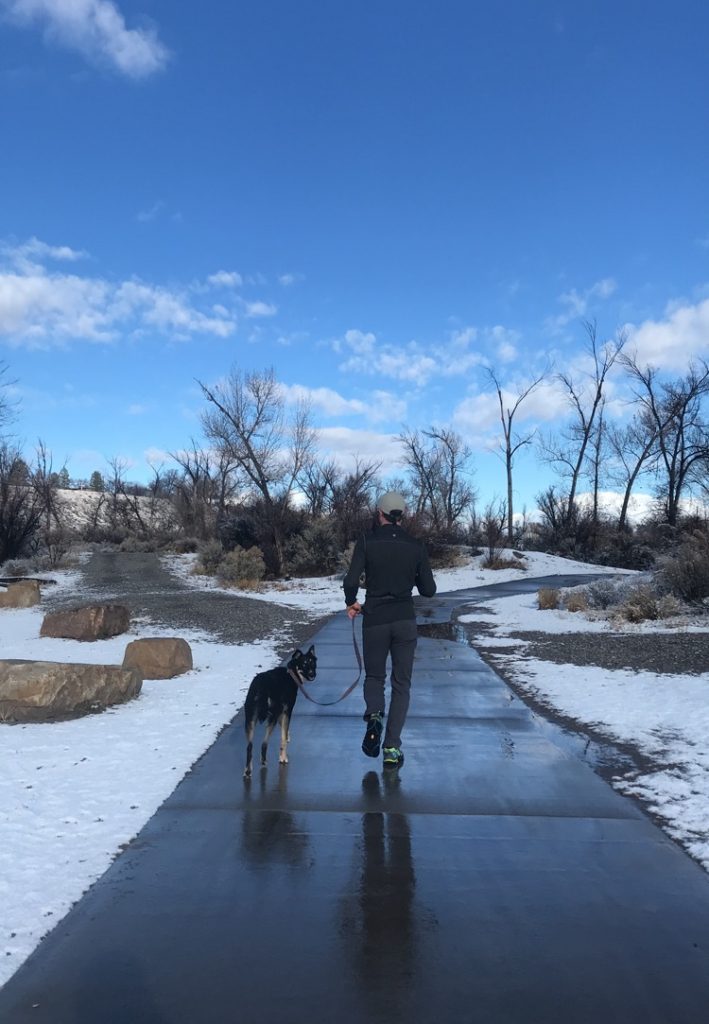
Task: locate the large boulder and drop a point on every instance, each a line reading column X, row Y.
column 159, row 657
column 22, row 594
column 90, row 622
column 40, row 691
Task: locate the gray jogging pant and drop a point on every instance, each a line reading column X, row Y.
column 397, row 639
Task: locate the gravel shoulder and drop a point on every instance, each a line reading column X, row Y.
column 155, row 595
column 665, row 653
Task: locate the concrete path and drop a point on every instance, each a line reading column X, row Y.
column 494, row 879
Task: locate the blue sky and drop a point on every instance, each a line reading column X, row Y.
column 379, row 200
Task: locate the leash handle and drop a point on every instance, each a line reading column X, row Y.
column 348, row 691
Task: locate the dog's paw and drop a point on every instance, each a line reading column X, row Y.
column 283, row 759
column 247, row 773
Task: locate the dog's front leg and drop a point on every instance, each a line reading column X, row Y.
column 285, row 738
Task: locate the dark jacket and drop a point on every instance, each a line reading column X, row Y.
column 393, row 563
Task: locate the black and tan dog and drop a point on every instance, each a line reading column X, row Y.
column 271, row 698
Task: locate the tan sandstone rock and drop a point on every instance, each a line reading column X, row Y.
column 39, row 691
column 92, row 622
column 159, row 657
column 23, row 594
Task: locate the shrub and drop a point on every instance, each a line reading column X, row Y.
column 668, row 607
column 16, row 567
column 686, row 574
column 640, row 605
column 210, row 555
column 500, row 562
column 548, row 597
column 186, row 545
column 314, row 552
column 242, row 566
column 138, row 545
column 576, row 601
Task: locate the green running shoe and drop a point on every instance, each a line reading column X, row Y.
column 373, row 736
column 393, row 757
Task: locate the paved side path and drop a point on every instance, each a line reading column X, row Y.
column 495, row 879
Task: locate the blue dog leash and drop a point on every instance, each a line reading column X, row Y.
column 348, row 691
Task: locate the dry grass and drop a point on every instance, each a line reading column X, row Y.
column 499, row 562
column 576, row 601
column 548, row 598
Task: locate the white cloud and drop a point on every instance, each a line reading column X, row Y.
column 577, row 303
column 346, row 445
column 96, row 29
column 669, row 344
column 258, row 309
column 225, row 279
column 410, row 362
column 136, row 409
column 478, row 414
column 40, row 307
column 385, row 407
column 152, row 212
column 290, row 279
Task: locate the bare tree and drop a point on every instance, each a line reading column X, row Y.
column 205, row 485
column 632, row 449
column 585, row 397
column 6, row 405
column 21, row 508
column 246, row 420
column 492, row 527
column 512, row 441
column 439, row 462
column 674, row 408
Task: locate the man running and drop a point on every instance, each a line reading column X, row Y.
column 393, row 563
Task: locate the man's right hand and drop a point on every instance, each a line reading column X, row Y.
column 353, row 610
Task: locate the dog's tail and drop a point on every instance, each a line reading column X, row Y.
column 255, row 707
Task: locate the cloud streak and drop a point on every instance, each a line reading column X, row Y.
column 94, row 28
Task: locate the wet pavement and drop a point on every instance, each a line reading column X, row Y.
column 495, row 878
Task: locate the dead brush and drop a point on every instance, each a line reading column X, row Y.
column 548, row 598
column 576, row 601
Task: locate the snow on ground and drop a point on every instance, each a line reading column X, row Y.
column 71, row 793
column 324, row 594
column 665, row 717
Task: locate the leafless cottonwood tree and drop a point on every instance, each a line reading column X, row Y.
column 6, row 405
column 205, row 484
column 674, row 408
column 347, row 497
column 439, row 461
column 633, row 451
column 246, row 420
column 584, row 394
column 512, row 442
column 21, row 508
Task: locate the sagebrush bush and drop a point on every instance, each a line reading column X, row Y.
column 138, row 545
column 16, row 567
column 315, row 551
column 548, row 597
column 242, row 566
column 210, row 555
column 185, row 545
column 640, row 604
column 668, row 607
column 686, row 573
column 576, row 601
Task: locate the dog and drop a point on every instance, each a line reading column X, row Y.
column 271, row 698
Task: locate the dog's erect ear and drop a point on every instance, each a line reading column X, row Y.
column 311, row 649
column 297, row 653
